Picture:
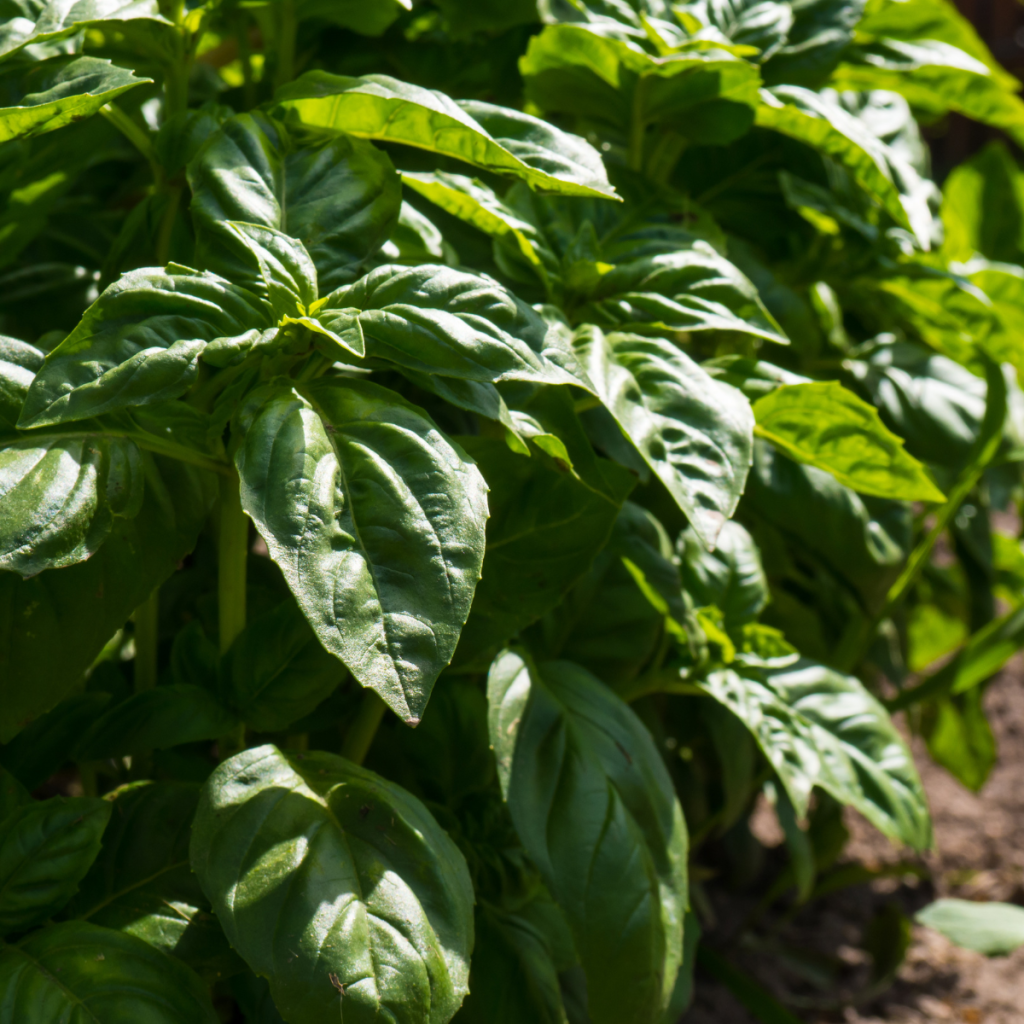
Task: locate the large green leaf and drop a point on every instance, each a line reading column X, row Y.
column 514, row 977
column 822, row 123
column 936, row 77
column 933, row 403
column 340, row 198
column 731, row 577
column 277, row 671
column 141, row 883
column 694, row 432
column 155, row 719
column 368, row 17
column 825, row 425
column 546, row 527
column 820, row 32
column 476, row 204
column 53, row 625
column 45, row 850
column 706, row 95
column 983, row 207
column 595, row 808
column 59, row 497
column 383, row 108
column 57, row 92
column 763, row 24
column 437, row 320
column 336, row 885
column 377, row 521
column 995, row 929
column 84, row 974
column 139, row 343
column 29, row 22
column 684, row 290
column 818, row 727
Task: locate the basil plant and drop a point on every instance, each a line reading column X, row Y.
column 454, row 458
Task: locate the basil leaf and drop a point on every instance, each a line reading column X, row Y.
column 53, row 625
column 983, row 207
column 340, row 198
column 165, row 716
column 59, row 497
column 682, row 421
column 68, row 970
column 141, row 883
column 443, row 321
column 827, row 426
column 45, row 850
column 818, row 727
column 764, row 24
column 473, row 202
column 821, row 31
column 377, row 522
column 513, row 977
column 546, row 526
column 57, row 92
column 731, row 577
column 19, row 363
column 936, row 78
column 995, row 929
column 706, row 95
column 687, row 289
column 819, row 122
column 367, row 18
column 139, row 343
column 13, row 795
column 383, row 108
column 47, row 21
column 277, row 672
column 336, row 885
column 595, row 808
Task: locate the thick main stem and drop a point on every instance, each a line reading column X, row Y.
column 287, row 31
column 364, row 727
column 147, row 637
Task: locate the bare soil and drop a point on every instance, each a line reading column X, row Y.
column 815, row 960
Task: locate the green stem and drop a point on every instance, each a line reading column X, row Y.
column 137, row 136
column 245, row 56
column 361, row 732
column 287, row 31
column 166, row 235
column 637, row 127
column 147, row 637
column 233, row 553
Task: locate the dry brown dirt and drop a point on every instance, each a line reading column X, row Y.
column 979, row 854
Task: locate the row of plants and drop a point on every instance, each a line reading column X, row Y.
column 455, row 459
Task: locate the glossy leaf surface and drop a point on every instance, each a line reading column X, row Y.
column 383, row 108
column 323, row 872
column 141, row 883
column 59, row 497
column 595, row 808
column 377, row 522
column 340, row 198
column 818, row 727
column 139, row 343
column 82, row 974
column 693, row 431
column 56, row 92
column 827, row 426
column 46, row 848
